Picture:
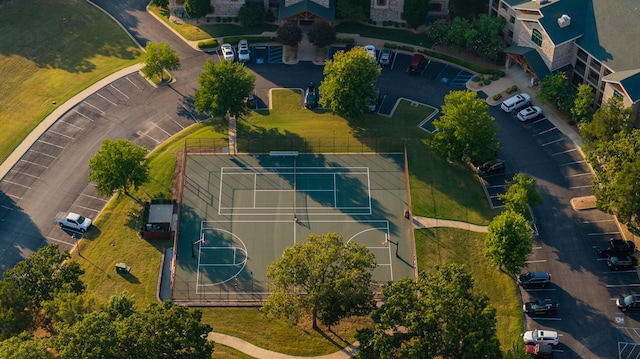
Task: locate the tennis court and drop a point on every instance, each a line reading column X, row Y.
column 239, row 213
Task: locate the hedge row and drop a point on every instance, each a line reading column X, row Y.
column 233, row 40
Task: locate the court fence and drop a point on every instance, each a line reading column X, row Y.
column 302, row 145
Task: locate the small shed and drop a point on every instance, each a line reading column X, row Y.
column 159, row 224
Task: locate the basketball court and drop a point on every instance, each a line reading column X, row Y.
column 239, row 213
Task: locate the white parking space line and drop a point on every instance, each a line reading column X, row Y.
column 16, row 183
column 94, row 197
column 537, row 261
column 145, row 135
column 87, row 208
column 106, row 99
column 563, row 152
column 42, row 153
column 88, row 103
column 174, row 121
column 552, row 142
column 83, row 115
column 580, row 174
column 61, row 134
column 13, row 196
column 497, row 186
column 600, row 259
column 71, row 124
column 572, row 163
column 59, row 241
column 599, row 221
column 122, row 93
column 161, row 129
column 33, row 163
column 24, row 173
column 620, row 271
column 538, row 121
column 537, row 247
column 541, row 290
column 134, row 85
column 5, row 207
column 622, row 285
column 545, row 131
column 602, row 233
column 578, row 187
column 545, row 318
column 51, row 144
column 190, row 114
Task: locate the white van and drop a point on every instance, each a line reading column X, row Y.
column 516, row 102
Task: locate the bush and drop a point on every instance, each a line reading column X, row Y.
column 497, row 97
column 462, row 63
column 486, row 81
column 390, row 46
column 475, row 78
column 494, row 77
column 512, row 89
column 322, row 34
column 233, row 40
column 252, row 15
column 407, row 48
column 207, row 44
column 347, row 40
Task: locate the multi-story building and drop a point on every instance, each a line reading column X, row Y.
column 594, row 41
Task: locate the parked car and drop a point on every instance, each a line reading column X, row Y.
column 417, row 64
column 375, row 100
column 540, row 336
column 629, row 303
column 617, row 247
column 534, row 279
column 244, row 54
column 515, row 102
column 622, row 262
column 540, row 307
column 311, row 96
column 371, row 50
column 539, row 351
column 227, row 52
column 385, row 57
column 491, row 167
column 529, row 113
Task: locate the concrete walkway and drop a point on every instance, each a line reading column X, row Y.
column 423, row 222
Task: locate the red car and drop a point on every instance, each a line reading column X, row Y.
column 539, row 351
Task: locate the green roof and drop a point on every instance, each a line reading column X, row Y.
column 328, row 13
column 629, row 80
column 575, row 9
column 533, row 58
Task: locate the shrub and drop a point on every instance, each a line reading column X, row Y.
column 494, row 77
column 475, row 78
column 407, row 48
column 486, row 81
column 347, row 40
column 512, row 89
column 252, row 15
column 390, row 46
column 497, row 96
column 207, row 44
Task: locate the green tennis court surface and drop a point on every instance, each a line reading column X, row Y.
column 240, row 212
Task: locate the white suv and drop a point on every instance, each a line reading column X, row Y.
column 227, row 52
column 516, row 102
column 243, row 51
column 540, row 336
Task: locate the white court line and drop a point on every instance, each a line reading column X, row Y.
column 88, row 103
column 106, row 99
column 42, row 153
column 33, row 163
column 16, row 183
column 552, row 142
column 545, row 131
column 83, row 115
column 60, row 134
column 51, row 144
column 134, row 85
column 563, row 152
column 122, row 93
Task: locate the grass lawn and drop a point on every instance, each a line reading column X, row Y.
column 50, row 51
column 115, row 237
column 446, row 245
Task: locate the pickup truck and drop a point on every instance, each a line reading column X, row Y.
column 73, row 221
column 617, row 247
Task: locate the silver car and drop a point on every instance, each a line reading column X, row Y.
column 227, row 52
column 244, row 54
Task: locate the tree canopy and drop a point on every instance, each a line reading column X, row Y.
column 352, row 9
column 415, row 12
column 465, row 131
column 252, row 14
column 616, row 181
column 223, row 88
column 289, row 34
column 323, row 277
column 349, row 83
column 157, row 58
column 416, row 319
column 322, row 34
column 611, row 118
column 557, row 89
column 118, row 165
column 580, row 112
column 521, row 192
column 196, row 9
column 509, row 241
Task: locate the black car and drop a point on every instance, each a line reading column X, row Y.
column 540, row 307
column 622, row 262
column 311, row 96
column 629, row 303
column 617, row 247
column 491, row 167
column 534, row 279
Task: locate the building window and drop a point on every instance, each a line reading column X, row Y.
column 512, row 19
column 436, row 7
column 510, row 34
column 536, row 37
column 381, row 2
column 503, row 6
column 617, row 94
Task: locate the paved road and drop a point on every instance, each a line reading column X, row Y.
column 52, row 177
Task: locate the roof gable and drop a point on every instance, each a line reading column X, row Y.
column 307, row 5
column 629, row 80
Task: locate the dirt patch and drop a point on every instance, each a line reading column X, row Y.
column 583, row 203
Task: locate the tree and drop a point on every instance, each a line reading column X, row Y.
column 416, row 319
column 521, row 192
column 15, row 314
column 196, row 9
column 92, row 338
column 289, row 34
column 324, row 277
column 349, row 83
column 611, row 118
column 415, row 12
column 223, row 88
column 438, row 32
column 68, row 308
column 157, row 58
column 555, row 88
column 468, row 9
column 252, row 14
column 457, row 36
column 45, row 272
column 160, row 3
column 118, row 165
column 322, row 34
column 616, row 181
column 465, row 131
column 24, row 346
column 352, row 9
column 488, row 42
column 509, row 241
column 582, row 103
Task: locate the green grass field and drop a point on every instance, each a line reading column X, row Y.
column 50, row 51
